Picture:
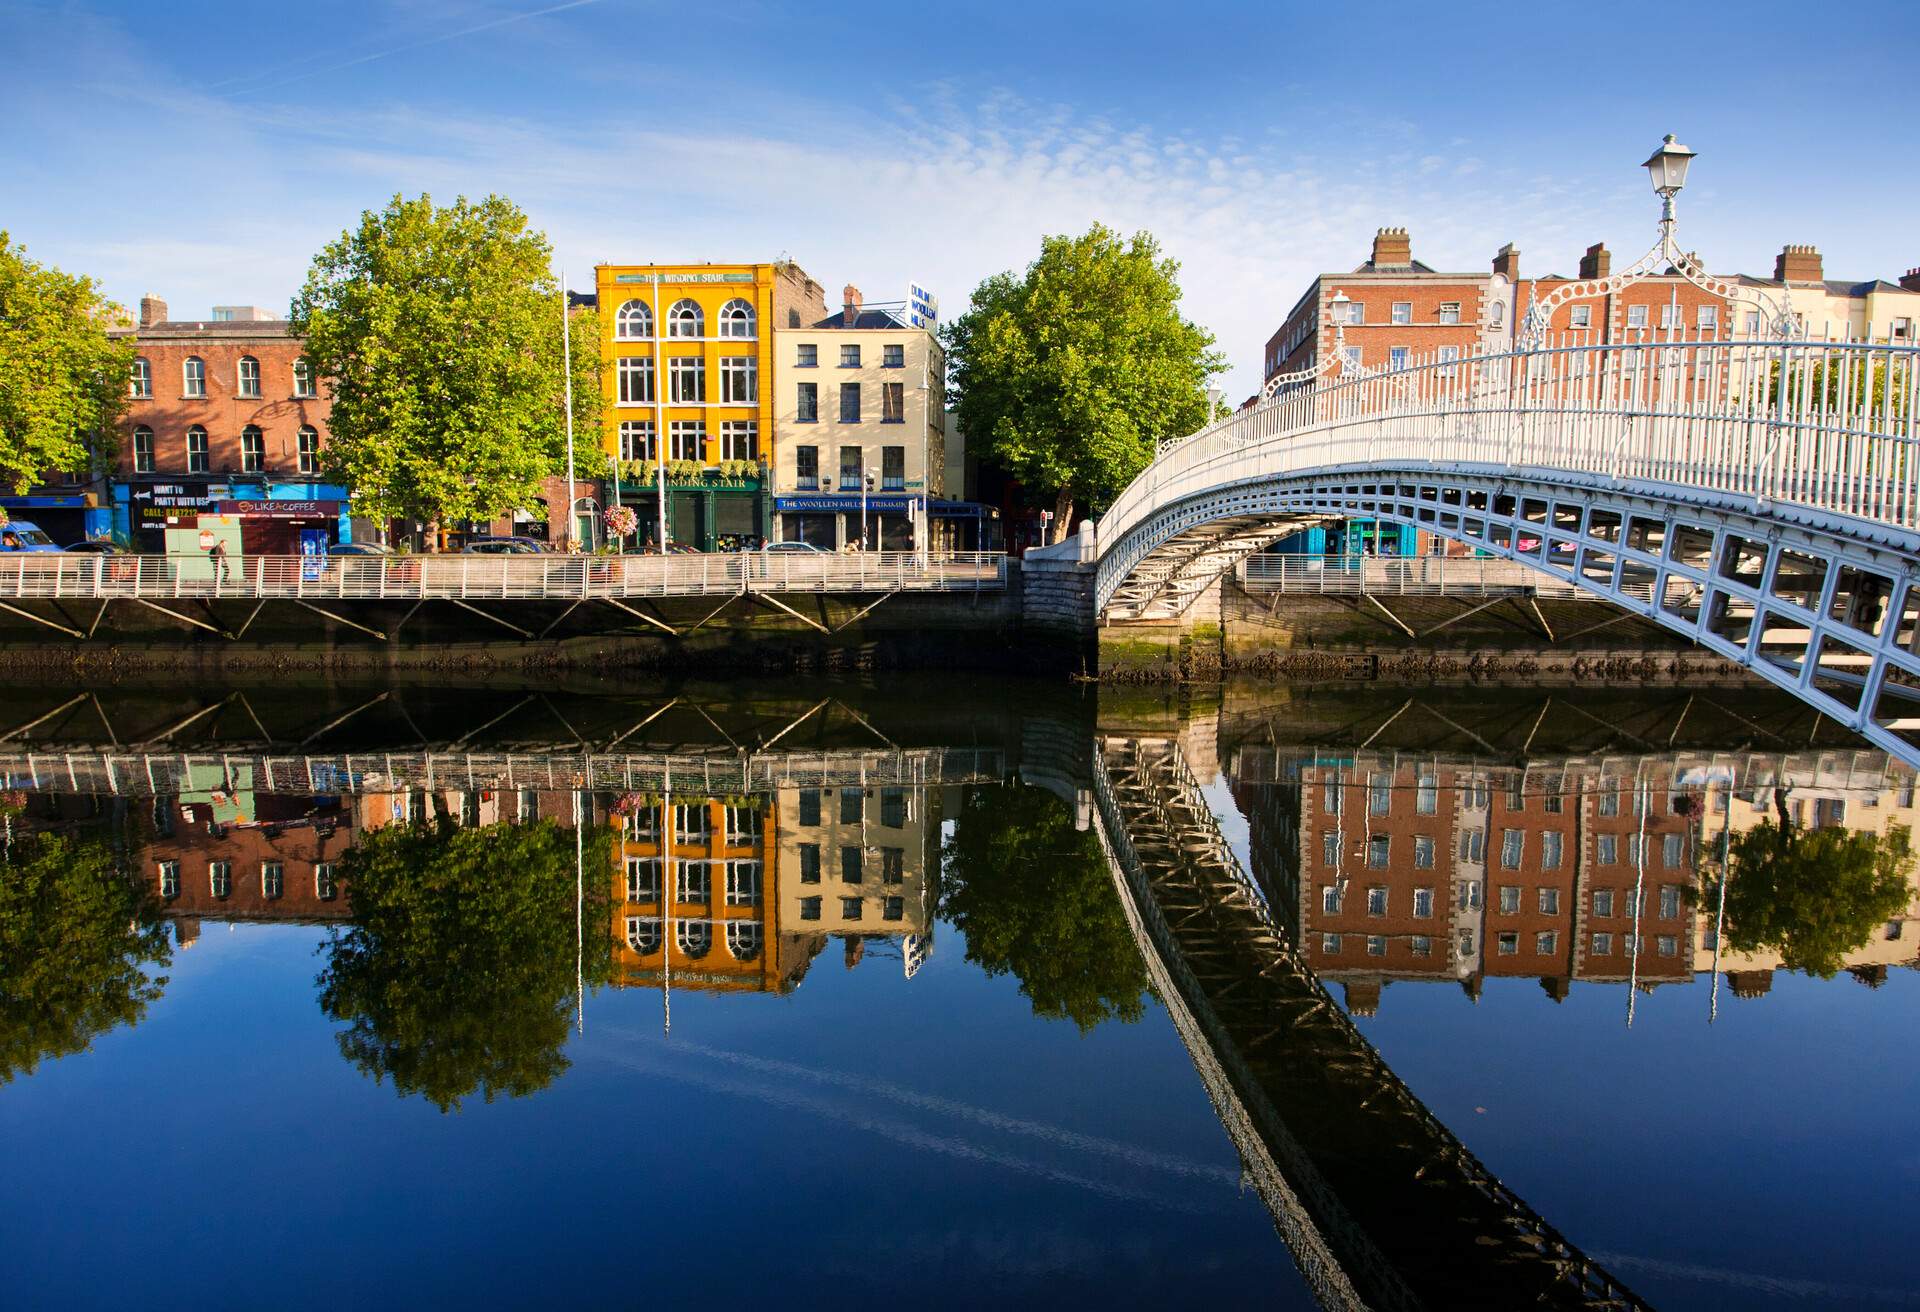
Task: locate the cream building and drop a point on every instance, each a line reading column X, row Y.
column 1834, row 309
column 858, row 863
column 859, row 421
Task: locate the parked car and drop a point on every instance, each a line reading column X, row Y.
column 24, row 535
column 97, row 547
column 773, row 547
column 515, row 546
column 358, row 549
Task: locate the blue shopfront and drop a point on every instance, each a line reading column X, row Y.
column 830, row 521
column 272, row 516
column 67, row 518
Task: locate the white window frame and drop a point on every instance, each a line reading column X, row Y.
column 686, row 380
column 273, row 880
column 738, row 321
column 1450, row 312
column 635, row 380
column 739, row 439
column 633, row 322
column 637, row 439
column 694, row 938
column 142, row 449
column 1423, row 903
column 692, row 881
column 193, row 378
column 685, row 319
column 140, row 379
column 201, row 461
column 1636, row 316
column 1580, row 316
column 253, row 450
column 220, row 879
column 303, row 378
column 1402, row 312
column 169, row 879
column 325, row 887
column 246, row 378
column 689, row 436
column 743, row 939
column 743, row 883
column 307, row 449
column 739, row 380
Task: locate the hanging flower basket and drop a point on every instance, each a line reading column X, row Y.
column 621, row 520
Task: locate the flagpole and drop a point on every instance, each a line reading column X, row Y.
column 566, row 355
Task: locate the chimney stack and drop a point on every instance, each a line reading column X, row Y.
column 1911, row 280
column 153, row 310
column 1507, row 263
column 1392, row 249
column 1797, row 264
column 1597, row 262
column 850, row 296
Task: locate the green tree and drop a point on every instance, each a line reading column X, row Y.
column 438, row 333
column 1034, row 898
column 1813, row 895
column 63, row 381
column 1069, row 375
column 456, row 974
column 79, row 945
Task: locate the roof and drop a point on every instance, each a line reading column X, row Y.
column 207, row 328
column 870, row 316
column 1414, row 266
column 1832, row 286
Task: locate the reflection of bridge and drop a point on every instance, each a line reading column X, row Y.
column 1381, row 1205
column 1760, row 498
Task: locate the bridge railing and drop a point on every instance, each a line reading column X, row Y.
column 53, row 575
column 1829, row 425
column 1409, row 576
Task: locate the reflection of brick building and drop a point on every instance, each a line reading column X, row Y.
column 281, row 864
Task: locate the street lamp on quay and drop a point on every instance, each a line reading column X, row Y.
column 1667, row 170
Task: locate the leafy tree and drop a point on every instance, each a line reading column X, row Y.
column 456, row 975
column 1070, row 374
column 78, row 944
column 63, row 381
column 438, row 332
column 1813, row 895
column 1033, row 897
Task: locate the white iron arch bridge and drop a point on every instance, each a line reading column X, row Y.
column 1761, row 498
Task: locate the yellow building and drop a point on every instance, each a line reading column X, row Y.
column 688, row 374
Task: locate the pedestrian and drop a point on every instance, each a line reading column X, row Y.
column 217, row 553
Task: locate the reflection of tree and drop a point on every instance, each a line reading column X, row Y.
column 77, row 939
column 457, row 973
column 1033, row 896
column 1813, row 895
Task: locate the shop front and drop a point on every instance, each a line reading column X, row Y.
column 272, row 517
column 707, row 515
column 67, row 519
column 965, row 526
column 830, row 521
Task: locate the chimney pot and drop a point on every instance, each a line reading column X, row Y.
column 1597, row 262
column 1392, row 248
column 1911, row 280
column 1797, row 264
column 850, row 298
column 152, row 310
column 1507, row 262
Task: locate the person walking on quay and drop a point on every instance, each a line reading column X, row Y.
column 218, row 554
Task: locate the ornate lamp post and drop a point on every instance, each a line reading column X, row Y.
column 1667, row 169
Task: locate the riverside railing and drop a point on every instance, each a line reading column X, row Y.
column 1825, row 425
column 1410, row 576
column 54, row 575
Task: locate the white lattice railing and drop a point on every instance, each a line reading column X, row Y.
column 1408, row 576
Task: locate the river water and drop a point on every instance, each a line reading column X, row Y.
column 952, row 991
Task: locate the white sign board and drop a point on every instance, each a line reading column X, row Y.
column 923, row 307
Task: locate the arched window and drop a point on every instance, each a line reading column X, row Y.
column 685, row 320
column 140, row 381
column 633, row 321
column 736, row 319
column 695, row 937
column 249, row 376
column 142, row 449
column 193, row 376
column 197, row 457
column 1499, row 315
column 643, row 934
column 743, row 939
column 309, row 439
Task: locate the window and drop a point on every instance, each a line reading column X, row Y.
column 691, row 821
column 1426, row 794
column 850, row 908
column 850, row 356
column 809, row 806
column 1420, row 945
column 307, row 449
column 737, row 319
column 1636, row 316
column 1422, row 903
column 1356, row 312
column 1609, row 803
column 219, row 878
column 743, row 939
column 809, row 863
column 1517, row 791
column 169, row 879
column 1379, row 847
column 249, row 376
column 1330, row 848
column 1423, row 852
column 1449, row 358
column 325, row 887
column 893, row 356
column 849, row 468
column 1473, row 846
column 1379, row 794
column 853, row 865
column 1402, row 312
column 1549, row 901
column 1603, row 945
column 1376, row 945
column 193, row 376
column 739, row 379
column 1667, row 945
column 1350, row 357
column 849, row 403
column 1330, row 944
column 1330, row 899
column 1466, row 942
column 1707, row 318
column 853, row 802
column 807, row 404
column 636, row 439
column 691, row 883
column 1753, row 323
column 1636, row 850
column 1510, row 842
column 1581, row 316
column 1449, row 312
column 1603, row 902
column 1545, row 942
column 1669, row 315
column 1553, row 803
column 893, row 403
column 1671, row 847
column 1509, row 944
column 806, row 468
column 1398, row 357
column 636, row 380
column 140, row 379
column 687, row 379
column 643, row 878
column 739, row 439
column 1900, row 330
column 695, row 937
column 1509, row 899
column 894, row 908
column 526, row 806
column 142, row 450
column 1330, row 795
column 197, row 462
column 1552, row 842
column 809, row 908
column 893, row 865
column 743, row 883
column 253, row 450
column 1377, row 900
column 807, row 356
column 1669, row 901
column 685, row 320
column 1497, row 313
column 893, row 468
column 687, row 440
column 893, row 807
column 632, row 322
column 273, row 879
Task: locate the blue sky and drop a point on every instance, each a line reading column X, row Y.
column 203, row 151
